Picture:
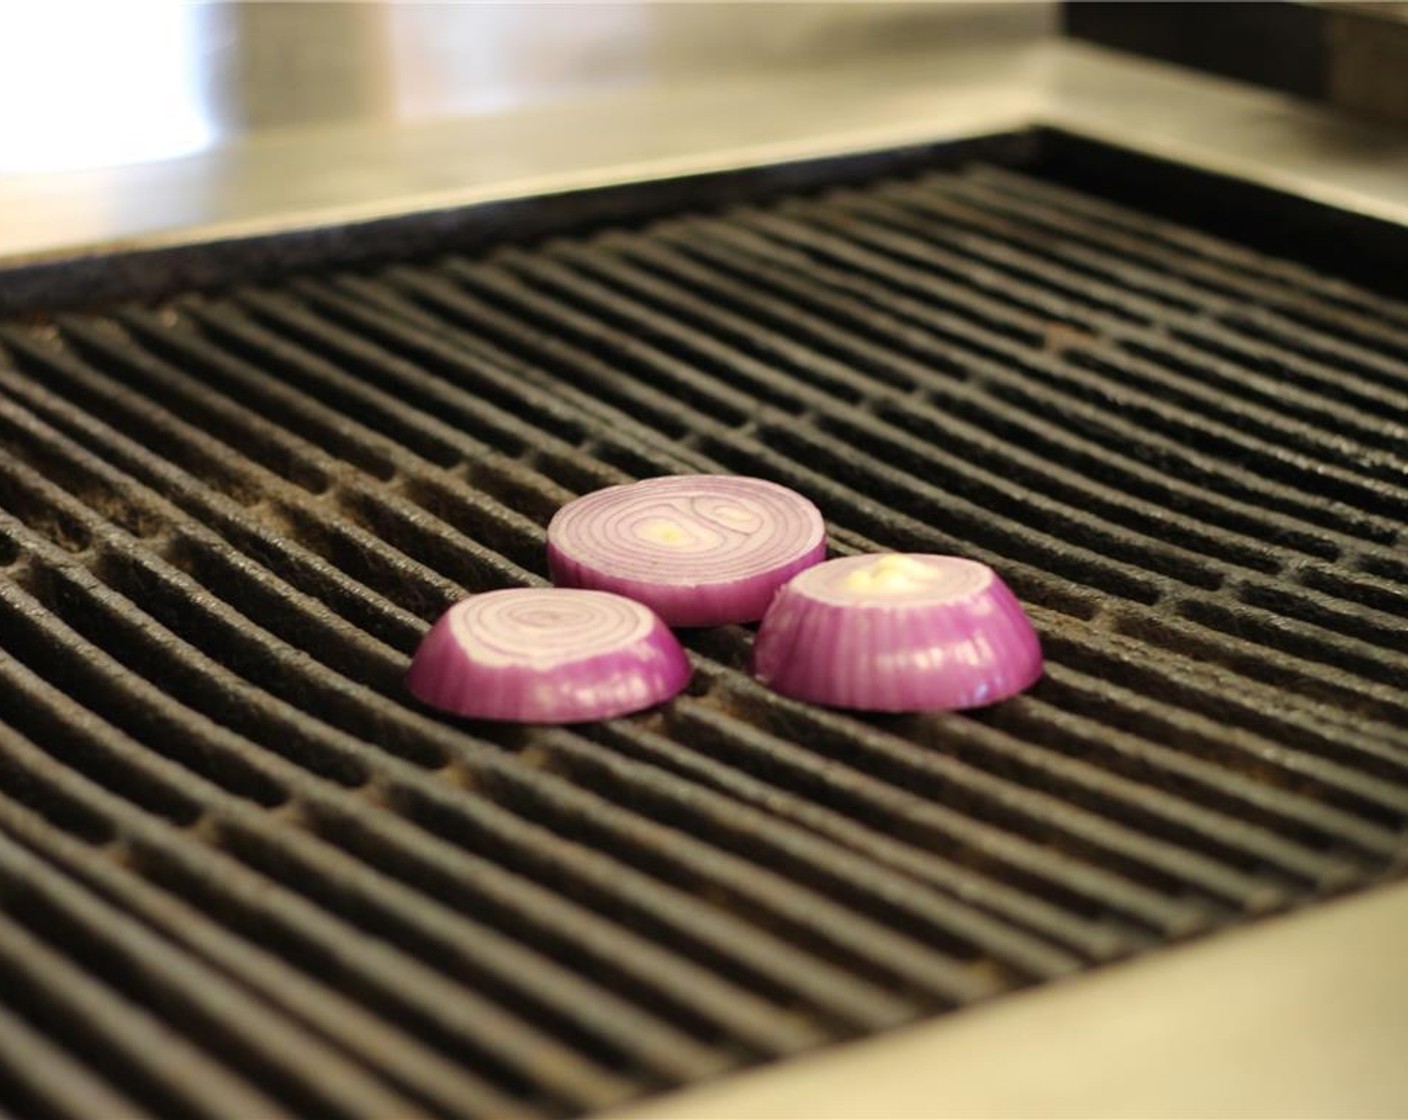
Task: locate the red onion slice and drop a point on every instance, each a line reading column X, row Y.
column 898, row 633
column 547, row 655
column 699, row 550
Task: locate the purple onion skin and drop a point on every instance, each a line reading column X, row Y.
column 688, row 605
column 910, row 633
column 596, row 542
column 547, row 655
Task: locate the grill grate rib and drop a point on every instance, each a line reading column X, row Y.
column 225, row 522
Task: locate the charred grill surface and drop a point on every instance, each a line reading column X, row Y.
column 242, row 874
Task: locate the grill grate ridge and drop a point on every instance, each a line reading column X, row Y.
column 950, row 338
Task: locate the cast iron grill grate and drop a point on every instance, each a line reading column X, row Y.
column 240, row 875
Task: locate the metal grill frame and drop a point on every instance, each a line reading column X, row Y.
column 1359, row 246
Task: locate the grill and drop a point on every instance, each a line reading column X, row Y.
column 241, row 874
